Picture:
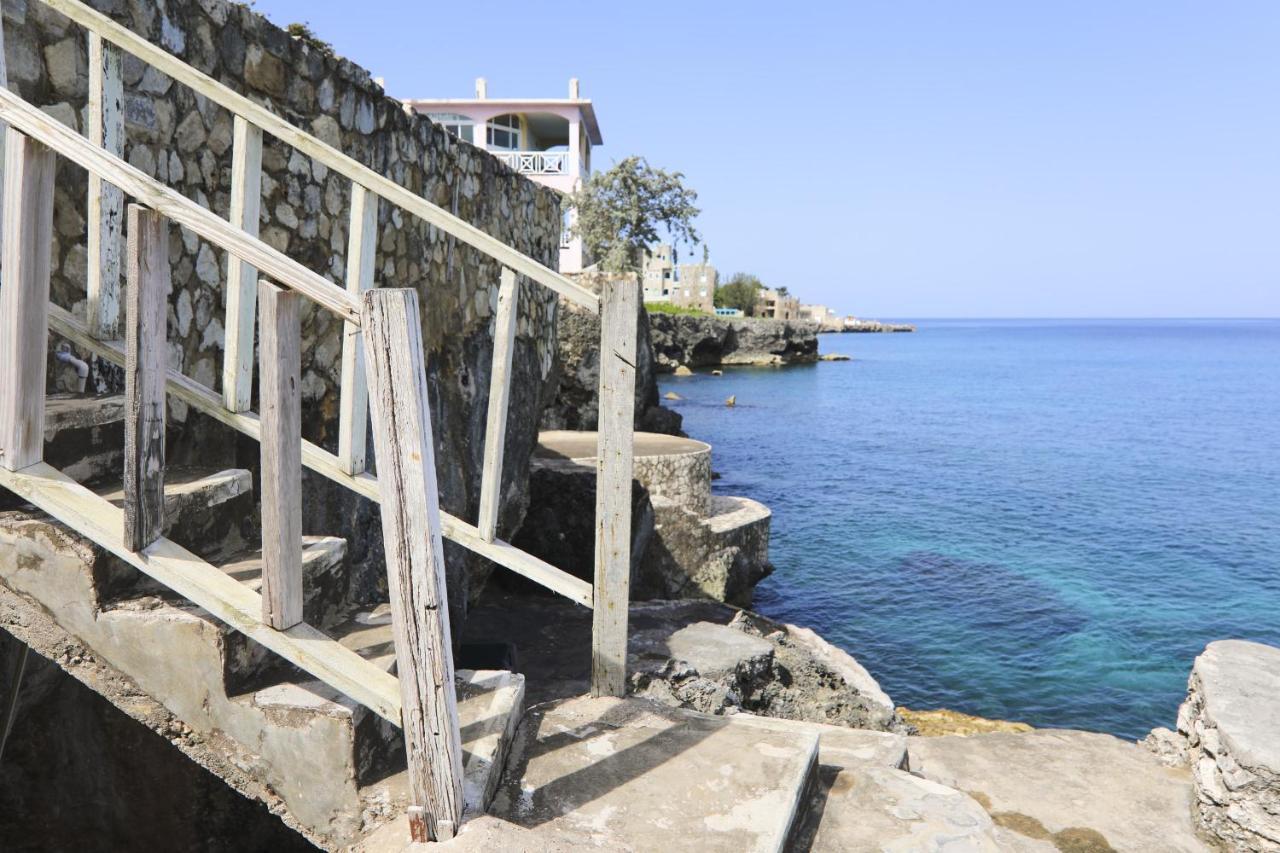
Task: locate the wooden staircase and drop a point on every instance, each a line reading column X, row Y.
column 205, row 611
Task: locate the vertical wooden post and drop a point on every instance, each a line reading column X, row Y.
column 618, row 317
column 242, row 278
column 4, row 81
column 280, row 399
column 144, row 377
column 353, row 407
column 415, row 567
column 106, row 202
column 495, row 436
column 24, row 298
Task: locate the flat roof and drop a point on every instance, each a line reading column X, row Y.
column 516, row 105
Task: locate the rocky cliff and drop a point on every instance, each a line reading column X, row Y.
column 575, row 385
column 693, row 341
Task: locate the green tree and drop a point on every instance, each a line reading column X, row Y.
column 619, row 213
column 740, row 291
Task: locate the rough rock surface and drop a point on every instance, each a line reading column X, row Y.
column 685, row 339
column 575, row 402
column 1231, row 723
column 1075, row 790
column 800, row 677
column 185, row 141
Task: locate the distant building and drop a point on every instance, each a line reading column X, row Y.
column 774, row 305
column 696, row 287
column 659, row 274
column 547, row 139
column 683, row 285
column 823, row 316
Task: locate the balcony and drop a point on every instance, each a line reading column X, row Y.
column 535, row 162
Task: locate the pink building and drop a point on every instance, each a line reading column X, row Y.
column 548, row 139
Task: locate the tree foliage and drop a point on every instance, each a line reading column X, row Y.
column 741, row 291
column 619, row 213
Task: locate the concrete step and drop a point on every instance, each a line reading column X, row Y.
column 206, row 510
column 628, row 774
column 1076, row 790
column 331, row 765
column 84, row 436
column 879, row 808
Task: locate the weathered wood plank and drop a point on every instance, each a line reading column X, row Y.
column 327, row 465
column 106, row 202
column 618, row 317
column 242, row 278
column 353, row 407
column 4, row 83
column 495, row 436
column 24, row 298
column 280, row 399
column 177, row 207
column 415, row 567
column 146, row 366
column 306, row 143
column 208, row 587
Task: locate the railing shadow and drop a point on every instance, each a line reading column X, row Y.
column 581, row 786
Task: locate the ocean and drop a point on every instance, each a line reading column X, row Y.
column 1033, row 520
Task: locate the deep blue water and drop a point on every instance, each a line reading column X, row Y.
column 1034, row 520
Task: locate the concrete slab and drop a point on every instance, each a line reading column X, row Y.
column 1084, row 790
column 881, row 809
column 633, row 775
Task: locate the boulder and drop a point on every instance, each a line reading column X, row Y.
column 1231, row 724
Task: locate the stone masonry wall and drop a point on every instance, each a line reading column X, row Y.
column 184, row 140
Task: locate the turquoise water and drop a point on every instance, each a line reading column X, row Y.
column 1033, row 520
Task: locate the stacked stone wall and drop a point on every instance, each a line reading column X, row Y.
column 185, row 140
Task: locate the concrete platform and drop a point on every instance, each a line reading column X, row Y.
column 632, row 775
column 1078, row 790
column 669, row 467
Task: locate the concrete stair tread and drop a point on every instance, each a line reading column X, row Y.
column 880, row 808
column 633, row 775
column 730, row 512
column 490, row 706
column 67, row 411
column 185, row 487
column 319, row 553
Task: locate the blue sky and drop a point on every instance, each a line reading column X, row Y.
column 910, row 159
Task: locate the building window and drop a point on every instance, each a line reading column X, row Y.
column 503, row 132
column 459, row 125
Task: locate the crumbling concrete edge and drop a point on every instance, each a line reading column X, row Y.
column 218, row 754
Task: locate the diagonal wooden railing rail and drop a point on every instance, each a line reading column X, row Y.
column 386, row 322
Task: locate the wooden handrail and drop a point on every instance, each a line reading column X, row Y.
column 278, row 267
column 327, row 465
column 331, row 157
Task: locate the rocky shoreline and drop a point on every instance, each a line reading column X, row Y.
column 693, row 341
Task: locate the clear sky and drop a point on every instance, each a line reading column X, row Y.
column 909, row 159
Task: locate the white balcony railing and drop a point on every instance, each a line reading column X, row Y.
column 536, row 162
